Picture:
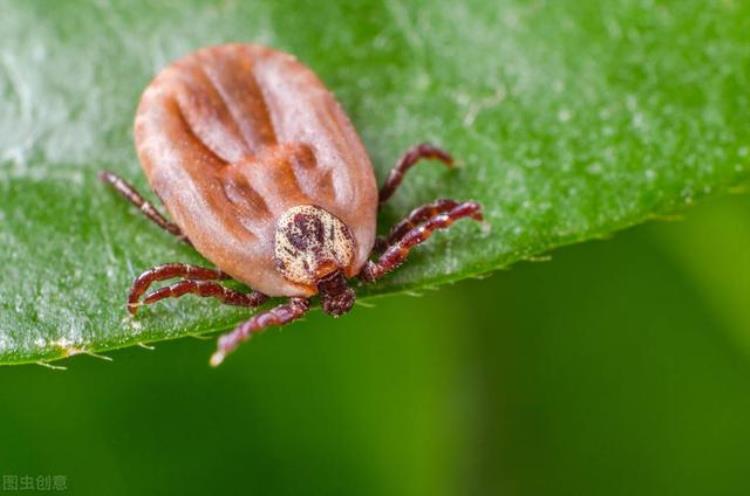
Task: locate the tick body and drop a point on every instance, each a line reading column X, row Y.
column 262, row 172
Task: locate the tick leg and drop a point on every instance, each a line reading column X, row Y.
column 169, row 271
column 206, row 289
column 418, row 216
column 400, row 246
column 407, row 160
column 415, row 217
column 277, row 316
column 130, row 194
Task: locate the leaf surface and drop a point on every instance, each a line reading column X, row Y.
column 570, row 119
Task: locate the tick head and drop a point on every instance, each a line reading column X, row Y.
column 314, row 248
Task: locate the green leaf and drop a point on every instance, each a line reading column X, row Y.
column 572, row 119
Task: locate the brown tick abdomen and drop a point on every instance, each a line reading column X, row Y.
column 233, row 136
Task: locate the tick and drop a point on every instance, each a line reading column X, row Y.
column 264, row 175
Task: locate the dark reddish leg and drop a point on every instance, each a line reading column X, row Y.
column 130, row 194
column 169, row 271
column 277, row 316
column 407, row 160
column 400, row 247
column 415, row 217
column 206, row 289
column 422, row 214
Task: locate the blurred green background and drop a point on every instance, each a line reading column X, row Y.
column 617, row 367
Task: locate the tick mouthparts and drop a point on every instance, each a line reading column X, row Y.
column 336, row 297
